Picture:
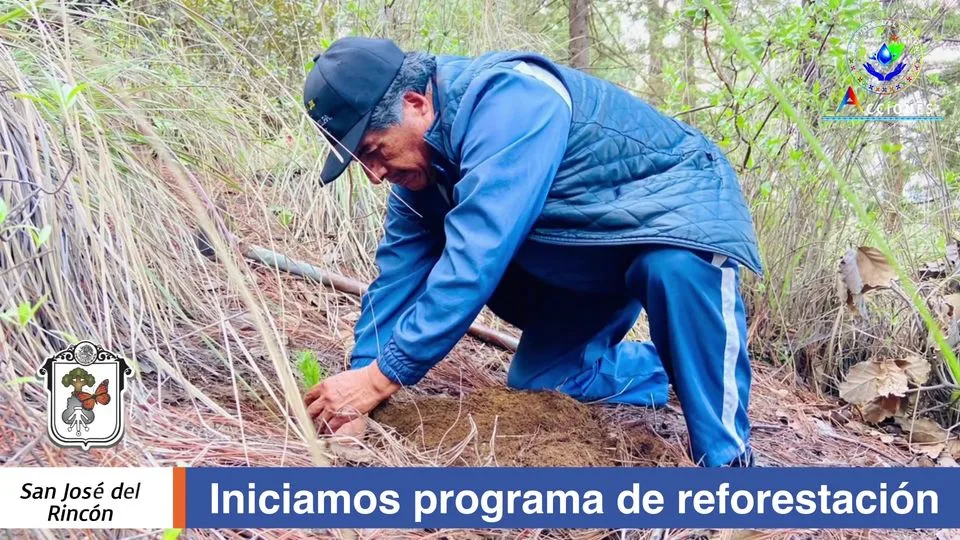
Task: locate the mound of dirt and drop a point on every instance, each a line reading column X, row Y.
column 516, row 428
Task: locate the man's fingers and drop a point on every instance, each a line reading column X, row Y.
column 341, row 419
column 314, row 393
column 327, row 417
column 354, row 428
column 316, row 409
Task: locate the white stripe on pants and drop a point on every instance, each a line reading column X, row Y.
column 731, row 350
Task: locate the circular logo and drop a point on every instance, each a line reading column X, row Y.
column 85, row 353
column 885, row 56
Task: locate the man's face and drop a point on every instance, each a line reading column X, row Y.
column 399, row 154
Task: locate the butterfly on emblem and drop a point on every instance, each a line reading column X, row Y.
column 100, row 396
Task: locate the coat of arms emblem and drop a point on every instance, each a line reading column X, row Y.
column 85, row 386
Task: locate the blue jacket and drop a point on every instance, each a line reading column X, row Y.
column 516, row 163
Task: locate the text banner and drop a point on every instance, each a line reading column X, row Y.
column 573, row 497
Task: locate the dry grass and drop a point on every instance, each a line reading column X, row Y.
column 125, row 172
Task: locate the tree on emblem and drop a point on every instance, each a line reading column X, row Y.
column 78, row 378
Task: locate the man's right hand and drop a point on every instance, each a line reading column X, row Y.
column 347, row 396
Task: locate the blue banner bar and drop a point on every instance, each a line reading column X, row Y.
column 573, row 497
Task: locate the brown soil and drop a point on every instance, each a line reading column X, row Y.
column 515, row 428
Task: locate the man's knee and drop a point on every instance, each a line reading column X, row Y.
column 535, row 373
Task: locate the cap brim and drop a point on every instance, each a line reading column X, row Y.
column 338, row 161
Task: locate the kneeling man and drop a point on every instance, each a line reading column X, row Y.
column 560, row 201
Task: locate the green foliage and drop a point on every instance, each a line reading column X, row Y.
column 310, row 369
column 171, row 534
column 891, row 148
column 78, row 375
column 16, row 14
column 40, row 236
column 23, row 313
column 867, row 218
column 284, row 215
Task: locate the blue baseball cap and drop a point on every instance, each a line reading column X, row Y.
column 346, row 83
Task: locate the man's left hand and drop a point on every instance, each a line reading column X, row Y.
column 345, row 396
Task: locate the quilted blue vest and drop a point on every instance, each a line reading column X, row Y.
column 630, row 175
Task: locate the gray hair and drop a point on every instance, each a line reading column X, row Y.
column 414, row 75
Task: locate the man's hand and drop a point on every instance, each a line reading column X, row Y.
column 345, row 396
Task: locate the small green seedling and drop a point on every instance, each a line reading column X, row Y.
column 23, row 313
column 284, row 216
column 310, row 368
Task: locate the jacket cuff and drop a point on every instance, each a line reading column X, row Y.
column 400, row 367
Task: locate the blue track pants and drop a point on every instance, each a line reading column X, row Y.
column 573, row 342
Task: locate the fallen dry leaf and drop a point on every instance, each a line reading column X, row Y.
column 880, row 409
column 916, row 367
column 875, row 271
column 932, row 451
column 862, row 269
column 922, row 430
column 871, row 379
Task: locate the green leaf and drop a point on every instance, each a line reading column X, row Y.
column 765, row 189
column 171, row 534
column 891, row 148
column 310, row 368
column 72, row 93
column 40, row 237
column 284, row 216
column 24, row 313
column 309, row 65
column 14, row 14
column 3, row 210
column 36, row 99
column 22, row 380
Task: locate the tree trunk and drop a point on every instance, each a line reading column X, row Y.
column 580, row 34
column 656, row 52
column 689, row 67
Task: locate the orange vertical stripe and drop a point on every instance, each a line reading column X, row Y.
column 179, row 498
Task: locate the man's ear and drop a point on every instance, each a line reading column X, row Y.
column 420, row 103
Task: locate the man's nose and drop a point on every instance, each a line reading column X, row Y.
column 376, row 172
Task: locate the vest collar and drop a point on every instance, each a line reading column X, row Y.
column 440, row 161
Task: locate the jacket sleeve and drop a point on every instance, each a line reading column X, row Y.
column 405, row 257
column 510, row 133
